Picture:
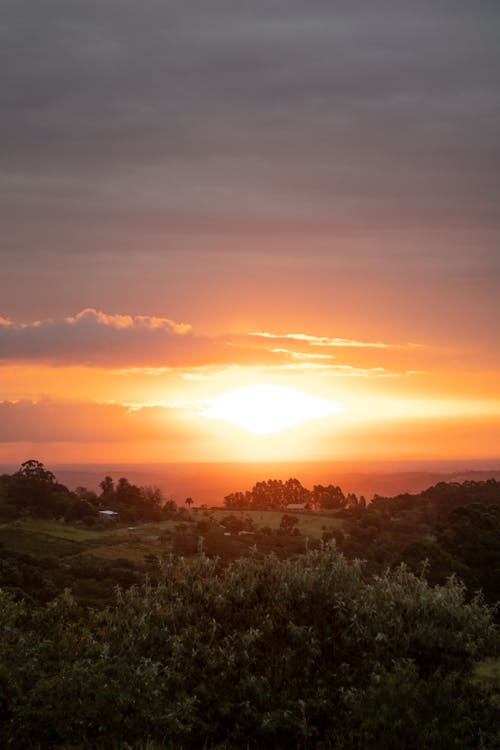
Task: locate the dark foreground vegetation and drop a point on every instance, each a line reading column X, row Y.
column 278, row 654
column 248, row 628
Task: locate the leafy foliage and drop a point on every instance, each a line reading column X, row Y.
column 34, row 491
column 294, row 649
column 296, row 653
column 270, row 494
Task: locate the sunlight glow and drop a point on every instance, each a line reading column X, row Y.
column 268, row 408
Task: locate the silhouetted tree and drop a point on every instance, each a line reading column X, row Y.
column 34, row 489
column 107, row 489
column 328, row 498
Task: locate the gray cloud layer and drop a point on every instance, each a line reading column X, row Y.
column 214, row 158
column 94, row 338
column 186, row 113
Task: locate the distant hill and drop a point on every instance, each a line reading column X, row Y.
column 210, row 482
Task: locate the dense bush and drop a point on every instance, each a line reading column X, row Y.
column 303, row 653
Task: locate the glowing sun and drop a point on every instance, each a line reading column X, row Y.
column 268, row 408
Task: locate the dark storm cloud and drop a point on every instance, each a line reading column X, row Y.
column 265, row 114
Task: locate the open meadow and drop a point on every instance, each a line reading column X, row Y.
column 42, row 539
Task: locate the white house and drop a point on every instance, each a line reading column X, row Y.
column 112, row 515
column 296, row 507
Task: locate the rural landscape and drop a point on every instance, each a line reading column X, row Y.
column 249, row 375
column 125, row 614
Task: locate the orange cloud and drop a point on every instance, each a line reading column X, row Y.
column 301, row 355
column 153, row 345
column 128, row 321
column 332, row 342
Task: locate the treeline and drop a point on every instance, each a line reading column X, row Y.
column 274, row 494
column 448, row 529
column 436, row 501
column 34, row 491
column 300, row 653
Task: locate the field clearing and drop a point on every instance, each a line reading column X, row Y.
column 41, row 538
column 54, row 529
column 24, row 542
column 309, row 524
column 39, row 543
column 133, row 551
column 154, row 527
column 50, row 539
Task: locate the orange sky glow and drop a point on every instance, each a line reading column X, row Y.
column 219, row 216
column 99, row 387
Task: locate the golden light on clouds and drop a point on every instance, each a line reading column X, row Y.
column 268, row 408
column 147, row 387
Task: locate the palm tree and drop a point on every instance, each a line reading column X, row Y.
column 189, row 501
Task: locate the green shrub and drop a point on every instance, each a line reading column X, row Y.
column 260, row 653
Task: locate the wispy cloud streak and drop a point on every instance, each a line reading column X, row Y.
column 149, row 345
column 334, row 342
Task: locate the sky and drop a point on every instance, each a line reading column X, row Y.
column 293, row 203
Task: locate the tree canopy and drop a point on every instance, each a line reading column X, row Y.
column 260, row 654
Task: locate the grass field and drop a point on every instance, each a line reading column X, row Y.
column 134, row 551
column 309, row 524
column 40, row 538
column 46, row 538
column 52, row 539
